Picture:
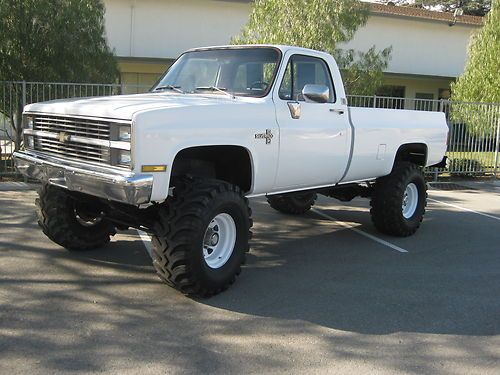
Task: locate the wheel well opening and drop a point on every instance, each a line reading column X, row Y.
column 413, row 152
column 226, row 163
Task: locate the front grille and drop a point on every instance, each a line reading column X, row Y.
column 53, row 134
column 73, row 150
column 89, row 128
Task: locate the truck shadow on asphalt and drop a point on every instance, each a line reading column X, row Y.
column 311, row 269
column 316, row 271
column 306, row 277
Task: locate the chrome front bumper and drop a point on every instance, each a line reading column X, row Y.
column 104, row 182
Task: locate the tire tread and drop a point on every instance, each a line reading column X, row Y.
column 386, row 204
column 55, row 219
column 178, row 219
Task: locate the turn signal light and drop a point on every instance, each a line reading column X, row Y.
column 154, row 168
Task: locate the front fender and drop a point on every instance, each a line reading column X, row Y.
column 159, row 135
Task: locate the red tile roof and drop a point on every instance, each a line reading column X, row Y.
column 402, row 11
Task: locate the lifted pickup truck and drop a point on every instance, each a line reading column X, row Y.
column 221, row 125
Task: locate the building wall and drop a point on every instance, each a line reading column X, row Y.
column 148, row 34
column 419, row 46
column 415, row 85
column 139, row 75
column 166, row 28
column 427, row 88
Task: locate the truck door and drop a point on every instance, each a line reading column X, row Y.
column 314, row 137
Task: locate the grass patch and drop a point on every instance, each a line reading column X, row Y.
column 486, row 159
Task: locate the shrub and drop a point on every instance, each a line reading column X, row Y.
column 466, row 167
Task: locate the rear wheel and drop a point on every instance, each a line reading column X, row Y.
column 399, row 200
column 201, row 236
column 294, row 204
column 71, row 223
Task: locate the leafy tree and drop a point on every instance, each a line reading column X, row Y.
column 51, row 40
column 480, row 81
column 470, row 7
column 320, row 25
column 54, row 40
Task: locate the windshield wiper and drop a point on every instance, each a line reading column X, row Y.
column 214, row 88
column 170, row 87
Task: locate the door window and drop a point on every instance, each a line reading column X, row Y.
column 303, row 70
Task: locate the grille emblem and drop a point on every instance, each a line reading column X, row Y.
column 63, row 137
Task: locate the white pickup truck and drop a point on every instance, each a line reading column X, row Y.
column 221, row 125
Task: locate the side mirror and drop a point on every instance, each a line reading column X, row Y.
column 316, row 93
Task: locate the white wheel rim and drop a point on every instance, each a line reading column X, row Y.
column 410, row 201
column 219, row 240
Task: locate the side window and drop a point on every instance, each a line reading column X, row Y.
column 303, row 70
column 285, row 90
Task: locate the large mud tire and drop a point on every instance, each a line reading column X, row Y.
column 293, row 204
column 181, row 255
column 399, row 200
column 57, row 216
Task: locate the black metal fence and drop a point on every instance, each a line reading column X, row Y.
column 15, row 95
column 473, row 144
column 474, row 131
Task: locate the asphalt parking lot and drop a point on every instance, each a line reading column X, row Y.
column 321, row 293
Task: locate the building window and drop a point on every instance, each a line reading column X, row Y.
column 424, row 102
column 391, row 97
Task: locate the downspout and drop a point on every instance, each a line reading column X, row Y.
column 132, row 28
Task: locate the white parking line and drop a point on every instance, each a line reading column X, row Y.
column 356, row 230
column 146, row 240
column 464, row 209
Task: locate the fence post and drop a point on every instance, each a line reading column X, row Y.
column 497, row 146
column 24, row 94
column 374, row 101
column 21, row 122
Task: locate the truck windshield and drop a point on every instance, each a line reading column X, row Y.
column 238, row 71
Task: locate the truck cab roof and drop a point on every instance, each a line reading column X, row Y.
column 282, row 48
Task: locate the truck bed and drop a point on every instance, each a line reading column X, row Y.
column 378, row 133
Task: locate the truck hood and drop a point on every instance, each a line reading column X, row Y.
column 125, row 106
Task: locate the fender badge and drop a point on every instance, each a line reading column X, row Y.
column 268, row 135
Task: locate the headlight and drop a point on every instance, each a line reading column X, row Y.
column 29, row 141
column 121, row 137
column 124, row 133
column 27, row 122
column 124, row 158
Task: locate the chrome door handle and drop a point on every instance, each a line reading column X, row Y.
column 338, row 111
column 294, row 108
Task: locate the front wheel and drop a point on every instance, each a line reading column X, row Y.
column 69, row 222
column 399, row 200
column 201, row 236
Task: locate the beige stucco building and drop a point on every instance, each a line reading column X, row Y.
column 428, row 53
